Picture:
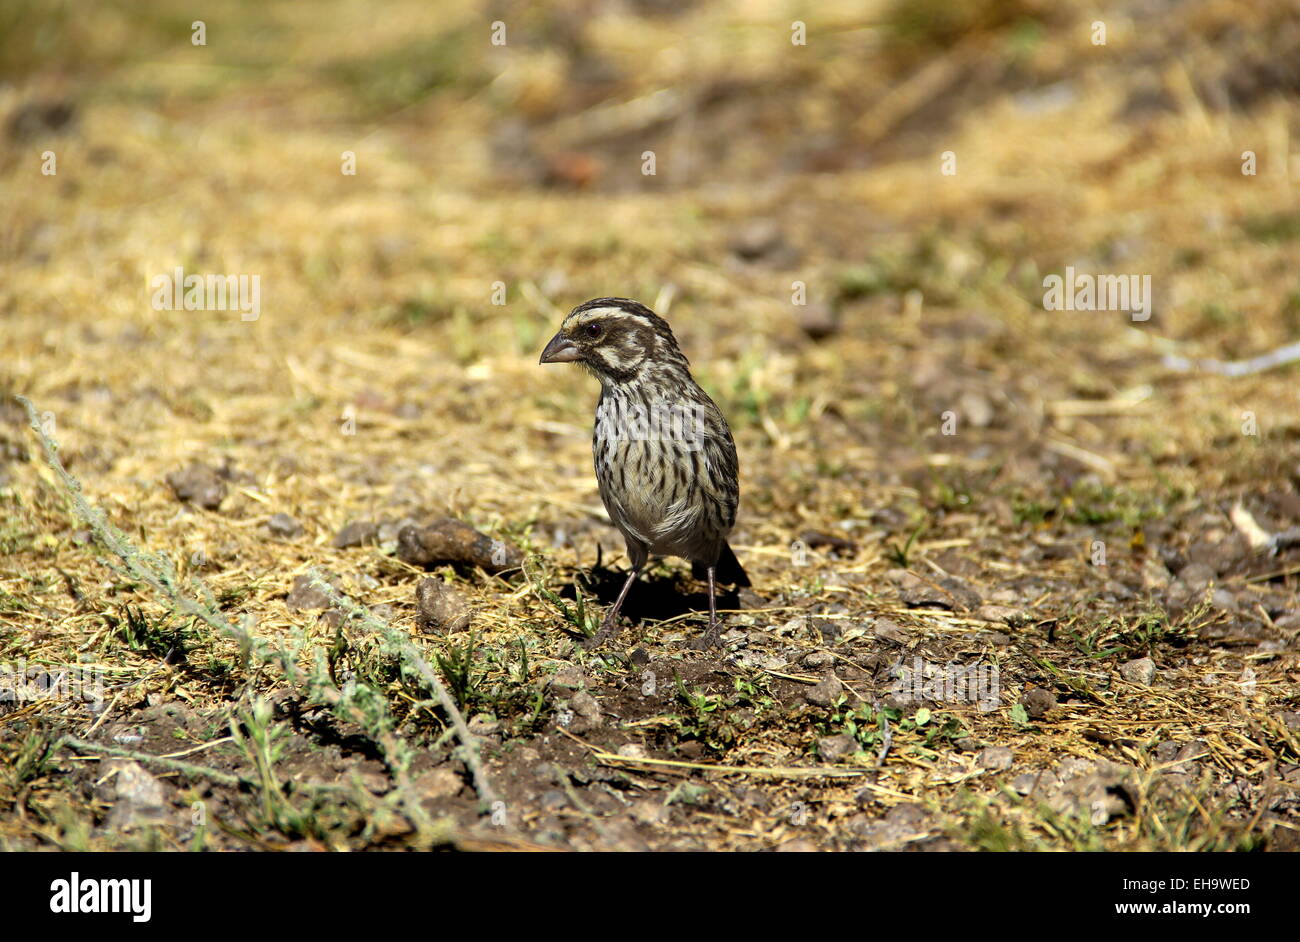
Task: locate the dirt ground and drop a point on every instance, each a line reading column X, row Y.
column 1023, row 578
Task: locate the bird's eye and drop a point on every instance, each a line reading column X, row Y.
column 593, row 331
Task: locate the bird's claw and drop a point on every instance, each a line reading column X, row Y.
column 606, row 631
column 712, row 638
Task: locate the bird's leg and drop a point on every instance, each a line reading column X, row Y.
column 607, row 627
column 711, row 637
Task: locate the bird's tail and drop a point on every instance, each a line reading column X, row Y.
column 728, row 570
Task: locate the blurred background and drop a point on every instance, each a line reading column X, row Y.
column 852, row 210
column 508, row 143
column 909, row 170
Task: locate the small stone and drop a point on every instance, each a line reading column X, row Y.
column 1002, row 613
column 818, row 320
column 453, row 541
column 199, row 485
column 585, row 705
column 995, row 758
column 357, row 533
column 825, row 692
column 305, row 595
column 440, row 607
column 1140, row 671
column 925, row 597
column 817, row 659
column 834, row 748
column 139, row 798
column 888, row 630
column 1038, row 702
column 757, row 238
column 483, row 724
column 283, row 525
column 632, row 750
column 569, row 677
column 438, row 783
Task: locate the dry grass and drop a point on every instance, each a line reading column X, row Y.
column 521, row 164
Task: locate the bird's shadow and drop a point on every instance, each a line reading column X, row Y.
column 656, row 596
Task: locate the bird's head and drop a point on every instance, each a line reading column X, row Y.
column 615, row 338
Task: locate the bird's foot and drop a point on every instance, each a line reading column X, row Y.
column 608, row 628
column 712, row 638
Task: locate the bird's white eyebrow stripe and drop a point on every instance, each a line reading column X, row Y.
column 602, row 313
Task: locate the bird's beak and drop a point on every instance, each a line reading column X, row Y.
column 560, row 350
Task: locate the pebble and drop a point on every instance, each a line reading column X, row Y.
column 284, row 526
column 199, row 485
column 818, row 320
column 995, row 758
column 357, row 533
column 833, row 748
column 305, row 595
column 818, row 659
column 569, row 677
column 139, row 798
column 888, row 630
column 440, row 607
column 825, row 692
column 585, row 705
column 1038, row 701
column 438, row 783
column 1139, row 671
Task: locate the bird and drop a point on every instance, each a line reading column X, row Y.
column 666, row 463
